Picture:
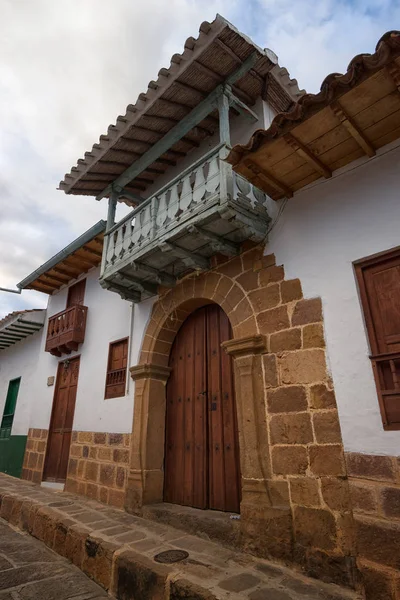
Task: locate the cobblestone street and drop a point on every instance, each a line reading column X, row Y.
column 30, row 571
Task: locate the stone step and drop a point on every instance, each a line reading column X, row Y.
column 118, row 551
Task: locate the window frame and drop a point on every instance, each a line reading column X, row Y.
column 108, row 370
column 4, row 416
column 375, row 356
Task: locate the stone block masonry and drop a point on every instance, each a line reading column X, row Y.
column 375, row 497
column 35, row 452
column 98, row 466
column 117, row 551
column 291, row 449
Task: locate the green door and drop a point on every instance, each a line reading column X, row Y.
column 9, row 409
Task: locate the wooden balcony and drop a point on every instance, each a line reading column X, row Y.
column 207, row 209
column 66, row 330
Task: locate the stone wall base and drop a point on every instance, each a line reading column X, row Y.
column 375, row 498
column 35, row 452
column 98, row 466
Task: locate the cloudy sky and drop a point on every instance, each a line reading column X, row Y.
column 68, row 68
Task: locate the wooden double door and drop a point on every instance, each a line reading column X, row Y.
column 202, row 447
column 62, row 417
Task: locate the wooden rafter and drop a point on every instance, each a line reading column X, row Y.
column 160, row 277
column 217, row 243
column 353, row 129
column 79, row 263
column 268, row 179
column 53, row 278
column 66, row 273
column 190, row 88
column 190, row 259
column 92, row 251
column 306, row 153
column 238, row 60
column 174, row 135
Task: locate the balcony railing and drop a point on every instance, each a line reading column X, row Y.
column 206, row 209
column 66, row 330
column 387, row 376
column 115, row 383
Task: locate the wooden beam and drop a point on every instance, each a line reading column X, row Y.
column 308, row 156
column 88, row 250
column 69, row 274
column 190, row 259
column 112, row 207
column 268, row 179
column 236, row 58
column 217, row 243
column 189, row 88
column 131, row 196
column 175, row 134
column 353, row 129
column 125, row 293
column 51, row 278
column 241, row 106
column 161, row 277
column 137, row 284
column 82, row 264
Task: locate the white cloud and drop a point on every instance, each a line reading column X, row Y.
column 68, row 68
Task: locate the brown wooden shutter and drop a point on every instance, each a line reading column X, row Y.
column 116, row 369
column 379, row 283
column 76, row 294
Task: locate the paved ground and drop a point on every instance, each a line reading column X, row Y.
column 118, row 549
column 28, row 570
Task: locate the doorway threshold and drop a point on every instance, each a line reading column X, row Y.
column 54, row 485
column 213, row 525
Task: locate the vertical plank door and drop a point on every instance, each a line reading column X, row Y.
column 76, row 294
column 59, row 440
column 223, row 446
column 201, row 447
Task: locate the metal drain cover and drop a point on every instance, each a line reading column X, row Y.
column 60, row 504
column 171, row 556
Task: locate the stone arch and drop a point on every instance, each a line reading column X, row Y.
column 295, row 494
column 228, row 286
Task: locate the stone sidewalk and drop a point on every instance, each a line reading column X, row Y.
column 117, row 551
column 29, row 571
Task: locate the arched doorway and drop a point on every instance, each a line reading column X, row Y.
column 201, row 440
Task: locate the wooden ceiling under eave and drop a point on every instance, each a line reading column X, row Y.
column 329, row 130
column 77, row 263
column 205, row 63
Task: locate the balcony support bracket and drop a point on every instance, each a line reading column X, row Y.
column 190, row 259
column 217, row 243
column 160, row 277
column 240, row 106
column 137, row 284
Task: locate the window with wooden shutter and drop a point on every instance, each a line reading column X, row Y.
column 116, row 369
column 379, row 283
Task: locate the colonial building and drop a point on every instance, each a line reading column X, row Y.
column 253, row 294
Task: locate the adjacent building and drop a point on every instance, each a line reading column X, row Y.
column 252, row 296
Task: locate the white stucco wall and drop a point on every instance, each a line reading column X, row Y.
column 109, row 319
column 324, row 229
column 20, row 360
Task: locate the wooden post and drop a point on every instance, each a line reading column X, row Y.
column 226, row 178
column 112, row 206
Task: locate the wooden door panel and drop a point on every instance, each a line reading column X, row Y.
column 383, row 288
column 76, row 294
column 201, row 448
column 200, row 461
column 223, row 445
column 60, row 431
